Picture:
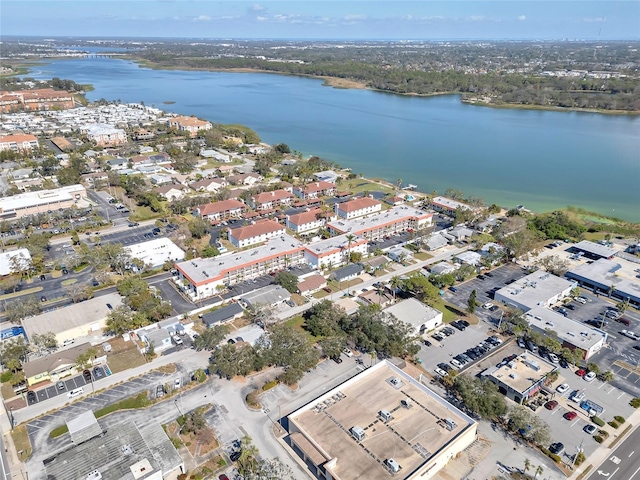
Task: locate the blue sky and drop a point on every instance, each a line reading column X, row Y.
column 356, row 19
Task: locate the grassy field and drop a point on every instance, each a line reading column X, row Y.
column 125, row 360
column 422, row 256
column 21, row 441
column 140, row 214
column 297, row 323
column 361, row 185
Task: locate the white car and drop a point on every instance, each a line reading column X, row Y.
column 177, row 384
column 577, row 396
column 347, row 352
column 562, row 388
column 440, row 372
column 487, row 305
column 590, row 376
column 554, row 358
column 456, row 364
column 521, row 343
column 177, row 340
column 581, row 300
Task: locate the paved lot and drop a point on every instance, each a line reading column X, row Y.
column 71, row 383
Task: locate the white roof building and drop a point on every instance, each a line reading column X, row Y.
column 155, row 252
column 539, row 289
column 420, row 316
column 14, row 261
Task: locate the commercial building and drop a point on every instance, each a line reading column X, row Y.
column 127, row 450
column 18, row 143
column 84, row 319
column 203, row 277
column 334, row 251
column 156, row 252
column 601, row 276
column 539, row 289
column 382, row 224
column 594, row 251
column 41, row 201
column 380, row 424
column 573, row 335
column 57, row 365
column 357, row 207
column 420, row 316
column 521, row 378
column 254, row 233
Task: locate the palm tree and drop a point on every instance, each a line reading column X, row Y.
column 350, row 238
column 395, row 282
column 398, row 183
column 539, row 471
column 248, row 453
column 527, row 465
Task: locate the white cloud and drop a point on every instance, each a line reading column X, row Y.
column 592, row 20
column 202, row 18
column 256, row 7
column 351, row 18
column 261, row 19
column 476, row 18
column 522, row 17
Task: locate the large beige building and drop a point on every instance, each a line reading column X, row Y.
column 381, row 424
column 41, row 201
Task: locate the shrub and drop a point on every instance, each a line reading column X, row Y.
column 5, row 377
column 253, row 400
column 269, row 385
column 598, row 439
column 619, row 419
column 603, row 433
column 177, row 443
column 613, row 423
column 598, row 421
column 553, row 456
column 579, row 459
column 181, row 420
column 635, row 402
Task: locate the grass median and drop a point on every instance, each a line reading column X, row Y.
column 139, row 401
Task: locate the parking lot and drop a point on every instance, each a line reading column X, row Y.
column 72, row 383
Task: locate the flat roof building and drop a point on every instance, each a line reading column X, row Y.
column 389, row 222
column 380, row 424
column 128, row 450
column 572, row 334
column 41, row 201
column 156, row 252
column 600, row 276
column 539, row 289
column 204, row 276
column 15, row 261
column 270, row 295
column 334, row 251
column 222, row 315
column 447, row 205
column 84, row 319
column 594, row 250
column 521, row 378
column 420, row 316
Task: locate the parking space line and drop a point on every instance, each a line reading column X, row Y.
column 620, row 396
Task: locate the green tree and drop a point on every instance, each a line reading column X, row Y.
column 85, row 360
column 199, row 227
column 527, row 465
column 247, row 463
column 44, row 343
column 210, row 251
column 122, row 320
column 211, row 337
column 333, row 346
column 21, row 308
column 287, row 280
column 472, row 302
column 13, row 352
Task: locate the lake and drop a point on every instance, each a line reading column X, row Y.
column 540, row 159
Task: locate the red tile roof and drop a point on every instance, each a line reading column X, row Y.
column 305, row 217
column 262, row 227
column 276, row 195
column 357, row 204
column 218, row 207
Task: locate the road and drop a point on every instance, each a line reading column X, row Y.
column 623, row 462
column 384, row 278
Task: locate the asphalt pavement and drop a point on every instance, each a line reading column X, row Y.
column 623, row 462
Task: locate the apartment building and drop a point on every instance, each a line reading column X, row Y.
column 314, row 190
column 258, row 232
column 18, row 143
column 357, row 207
column 306, row 222
column 271, row 200
column 390, row 222
column 191, row 125
column 221, row 210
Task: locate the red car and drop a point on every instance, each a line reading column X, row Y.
column 570, row 415
column 550, row 405
column 581, row 373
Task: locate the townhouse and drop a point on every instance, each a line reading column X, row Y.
column 221, row 210
column 41, row 99
column 306, row 222
column 314, row 190
column 211, row 185
column 244, row 179
column 357, row 207
column 271, row 200
column 254, row 233
column 172, row 192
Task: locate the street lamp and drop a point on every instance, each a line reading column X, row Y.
column 175, row 401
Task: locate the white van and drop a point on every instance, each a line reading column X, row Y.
column 75, row 393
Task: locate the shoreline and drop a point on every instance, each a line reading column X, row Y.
column 349, row 84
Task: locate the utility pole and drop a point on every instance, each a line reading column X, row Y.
column 579, row 450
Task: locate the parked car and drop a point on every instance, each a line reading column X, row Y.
column 556, row 448
column 570, row 415
column 61, row 386
column 590, row 429
column 581, row 372
column 590, row 376
column 98, row 372
column 577, row 396
column 521, row 343
column 551, row 404
column 453, row 289
column 160, row 391
column 177, row 384
column 494, row 308
column 440, row 372
column 427, row 343
column 554, row 358
column 487, row 305
column 562, row 388
column 456, row 363
column 580, row 300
